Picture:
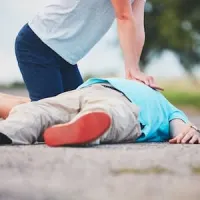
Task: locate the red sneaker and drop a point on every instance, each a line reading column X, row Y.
column 85, row 129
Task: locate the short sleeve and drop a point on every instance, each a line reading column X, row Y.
column 177, row 114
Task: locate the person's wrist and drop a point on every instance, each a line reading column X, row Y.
column 176, row 127
column 133, row 67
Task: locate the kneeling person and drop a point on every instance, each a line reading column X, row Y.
column 99, row 111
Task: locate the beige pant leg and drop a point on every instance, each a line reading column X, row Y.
column 27, row 122
column 125, row 125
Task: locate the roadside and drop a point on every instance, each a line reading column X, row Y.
column 150, row 171
column 182, row 93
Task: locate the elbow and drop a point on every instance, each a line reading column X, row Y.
column 124, row 16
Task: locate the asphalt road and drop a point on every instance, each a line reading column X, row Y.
column 111, row 172
column 116, row 172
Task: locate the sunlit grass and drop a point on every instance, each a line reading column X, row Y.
column 140, row 171
column 181, row 92
column 183, row 98
column 195, row 170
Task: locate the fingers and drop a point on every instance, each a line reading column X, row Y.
column 194, row 140
column 128, row 76
column 150, row 82
column 153, row 84
column 139, row 76
column 147, row 80
column 156, row 87
column 187, row 137
column 141, row 79
column 179, row 138
column 191, row 137
column 173, row 141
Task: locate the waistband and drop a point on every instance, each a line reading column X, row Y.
column 109, row 86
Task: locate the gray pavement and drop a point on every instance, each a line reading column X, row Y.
column 107, row 172
column 116, row 172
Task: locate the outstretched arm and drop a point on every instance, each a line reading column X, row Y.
column 183, row 133
column 127, row 32
column 130, row 34
column 8, row 102
column 138, row 13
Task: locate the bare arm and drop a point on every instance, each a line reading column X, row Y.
column 8, row 102
column 129, row 36
column 183, row 133
column 127, row 32
column 138, row 13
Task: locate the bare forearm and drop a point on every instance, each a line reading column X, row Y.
column 127, row 32
column 132, row 34
column 127, row 37
column 138, row 13
column 131, row 39
column 183, row 133
column 176, row 127
column 139, row 43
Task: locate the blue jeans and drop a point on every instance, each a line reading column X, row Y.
column 44, row 72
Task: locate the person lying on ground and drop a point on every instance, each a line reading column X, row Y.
column 99, row 111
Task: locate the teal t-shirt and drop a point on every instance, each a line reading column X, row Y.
column 155, row 110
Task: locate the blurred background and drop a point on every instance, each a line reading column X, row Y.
column 171, row 53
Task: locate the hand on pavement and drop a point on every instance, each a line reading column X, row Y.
column 190, row 136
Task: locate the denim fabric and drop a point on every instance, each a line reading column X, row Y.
column 44, row 72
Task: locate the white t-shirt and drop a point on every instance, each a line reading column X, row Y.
column 72, row 27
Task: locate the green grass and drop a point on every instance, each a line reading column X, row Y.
column 14, row 85
column 195, row 170
column 183, row 98
column 146, row 171
column 180, row 93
